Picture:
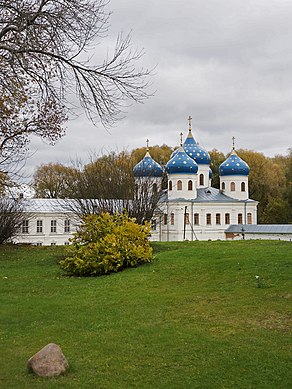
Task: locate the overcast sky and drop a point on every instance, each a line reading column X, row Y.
column 227, row 63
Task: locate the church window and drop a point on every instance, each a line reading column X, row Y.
column 227, row 218
column 39, row 226
column 24, row 227
column 165, row 218
column 201, row 179
column 232, row 186
column 239, row 218
column 249, row 218
column 223, row 185
column 172, row 219
column 190, row 185
column 243, row 186
column 67, row 225
column 196, row 219
column 187, row 218
column 53, row 225
column 208, row 219
column 179, row 185
column 218, row 218
column 153, row 224
column 154, row 188
column 170, row 185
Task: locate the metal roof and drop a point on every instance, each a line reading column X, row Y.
column 48, row 205
column 260, row 228
column 211, row 195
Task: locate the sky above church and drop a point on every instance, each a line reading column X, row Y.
column 227, row 63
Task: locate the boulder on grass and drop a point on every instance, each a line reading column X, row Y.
column 48, row 362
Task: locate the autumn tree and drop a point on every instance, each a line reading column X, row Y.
column 47, row 58
column 266, row 179
column 160, row 154
column 54, row 180
column 217, row 157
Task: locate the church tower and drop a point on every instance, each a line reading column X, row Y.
column 200, row 155
column 182, row 175
column 148, row 175
column 233, row 174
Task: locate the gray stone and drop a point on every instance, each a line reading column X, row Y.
column 48, row 362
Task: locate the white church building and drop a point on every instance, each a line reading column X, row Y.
column 189, row 209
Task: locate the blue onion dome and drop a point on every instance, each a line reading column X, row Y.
column 210, row 173
column 233, row 165
column 148, row 167
column 195, row 151
column 181, row 163
column 174, row 153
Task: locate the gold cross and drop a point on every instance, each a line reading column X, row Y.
column 190, row 122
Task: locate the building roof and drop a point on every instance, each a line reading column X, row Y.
column 192, row 148
column 260, row 228
column 181, row 163
column 48, row 205
column 233, row 165
column 148, row 167
column 211, row 195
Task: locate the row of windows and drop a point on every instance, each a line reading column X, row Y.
column 196, row 220
column 179, row 184
column 52, row 243
column 40, row 226
column 232, row 186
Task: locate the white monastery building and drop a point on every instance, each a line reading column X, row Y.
column 189, row 209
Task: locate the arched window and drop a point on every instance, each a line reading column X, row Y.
column 249, row 218
column 190, row 185
column 232, row 186
column 201, row 179
column 239, row 218
column 223, row 185
column 154, row 187
column 196, row 218
column 179, row 185
column 170, row 185
column 172, row 218
column 242, row 186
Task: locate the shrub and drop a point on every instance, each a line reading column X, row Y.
column 107, row 243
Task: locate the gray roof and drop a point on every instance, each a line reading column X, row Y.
column 211, row 195
column 48, row 205
column 260, row 228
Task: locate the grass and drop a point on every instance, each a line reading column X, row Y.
column 194, row 318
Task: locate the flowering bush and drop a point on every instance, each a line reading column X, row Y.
column 107, row 243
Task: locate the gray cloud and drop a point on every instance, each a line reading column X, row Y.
column 228, row 63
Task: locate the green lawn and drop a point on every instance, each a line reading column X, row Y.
column 194, row 318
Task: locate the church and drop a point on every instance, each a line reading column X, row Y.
column 190, row 208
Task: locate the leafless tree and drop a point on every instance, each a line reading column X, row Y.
column 108, row 185
column 47, row 58
column 11, row 218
